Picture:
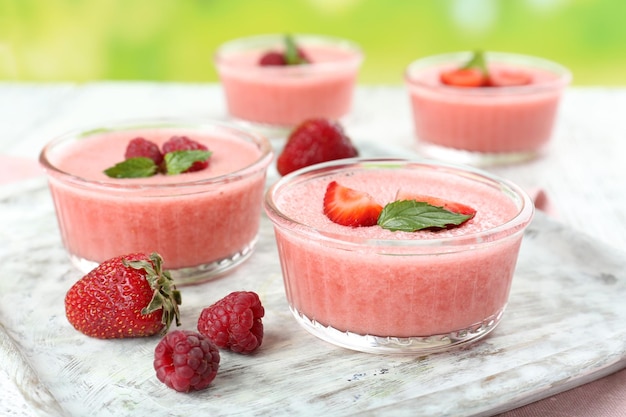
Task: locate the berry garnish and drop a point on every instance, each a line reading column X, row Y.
column 452, row 206
column 409, row 212
column 144, row 159
column 140, row 147
column 126, row 296
column 473, row 74
column 508, row 78
column 177, row 161
column 350, row 207
column 464, row 77
column 234, row 322
column 292, row 55
column 186, row 361
column 272, row 58
column 314, row 141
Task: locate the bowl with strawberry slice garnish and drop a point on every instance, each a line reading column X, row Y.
column 278, row 80
column 190, row 190
column 397, row 256
column 485, row 108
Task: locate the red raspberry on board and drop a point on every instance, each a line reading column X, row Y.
column 186, row 361
column 183, row 143
column 314, row 141
column 234, row 322
column 140, row 147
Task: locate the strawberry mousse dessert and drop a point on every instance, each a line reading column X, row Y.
column 190, row 191
column 281, row 80
column 484, row 108
column 397, row 256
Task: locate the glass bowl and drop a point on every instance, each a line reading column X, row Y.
column 485, row 125
column 374, row 290
column 202, row 223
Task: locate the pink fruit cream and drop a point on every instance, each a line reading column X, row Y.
column 202, row 223
column 287, row 95
column 485, row 124
column 380, row 291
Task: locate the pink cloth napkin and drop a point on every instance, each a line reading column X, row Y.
column 605, row 397
column 15, row 169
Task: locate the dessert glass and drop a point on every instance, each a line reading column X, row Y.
column 378, row 291
column 202, row 223
column 284, row 96
column 485, row 125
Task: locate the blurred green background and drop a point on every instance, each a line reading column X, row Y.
column 173, row 40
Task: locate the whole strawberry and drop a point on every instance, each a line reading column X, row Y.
column 234, row 322
column 126, row 296
column 314, row 141
column 186, row 361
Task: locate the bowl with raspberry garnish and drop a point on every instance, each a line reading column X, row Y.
column 190, row 190
column 278, row 80
column 485, row 108
column 397, row 256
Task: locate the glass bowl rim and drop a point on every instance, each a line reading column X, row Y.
column 259, row 164
column 562, row 79
column 511, row 227
column 263, row 40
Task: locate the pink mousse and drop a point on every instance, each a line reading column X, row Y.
column 485, row 119
column 190, row 219
column 287, row 95
column 426, row 283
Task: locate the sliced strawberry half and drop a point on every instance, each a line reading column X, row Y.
column 509, row 78
column 464, row 77
column 350, row 207
column 452, row 206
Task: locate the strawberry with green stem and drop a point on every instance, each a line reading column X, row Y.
column 126, row 296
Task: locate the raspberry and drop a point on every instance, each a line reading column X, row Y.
column 314, row 141
column 140, row 147
column 272, row 59
column 234, row 322
column 183, row 143
column 186, row 361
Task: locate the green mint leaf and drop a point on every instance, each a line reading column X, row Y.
column 140, row 167
column 292, row 54
column 178, row 162
column 411, row 215
column 477, row 61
